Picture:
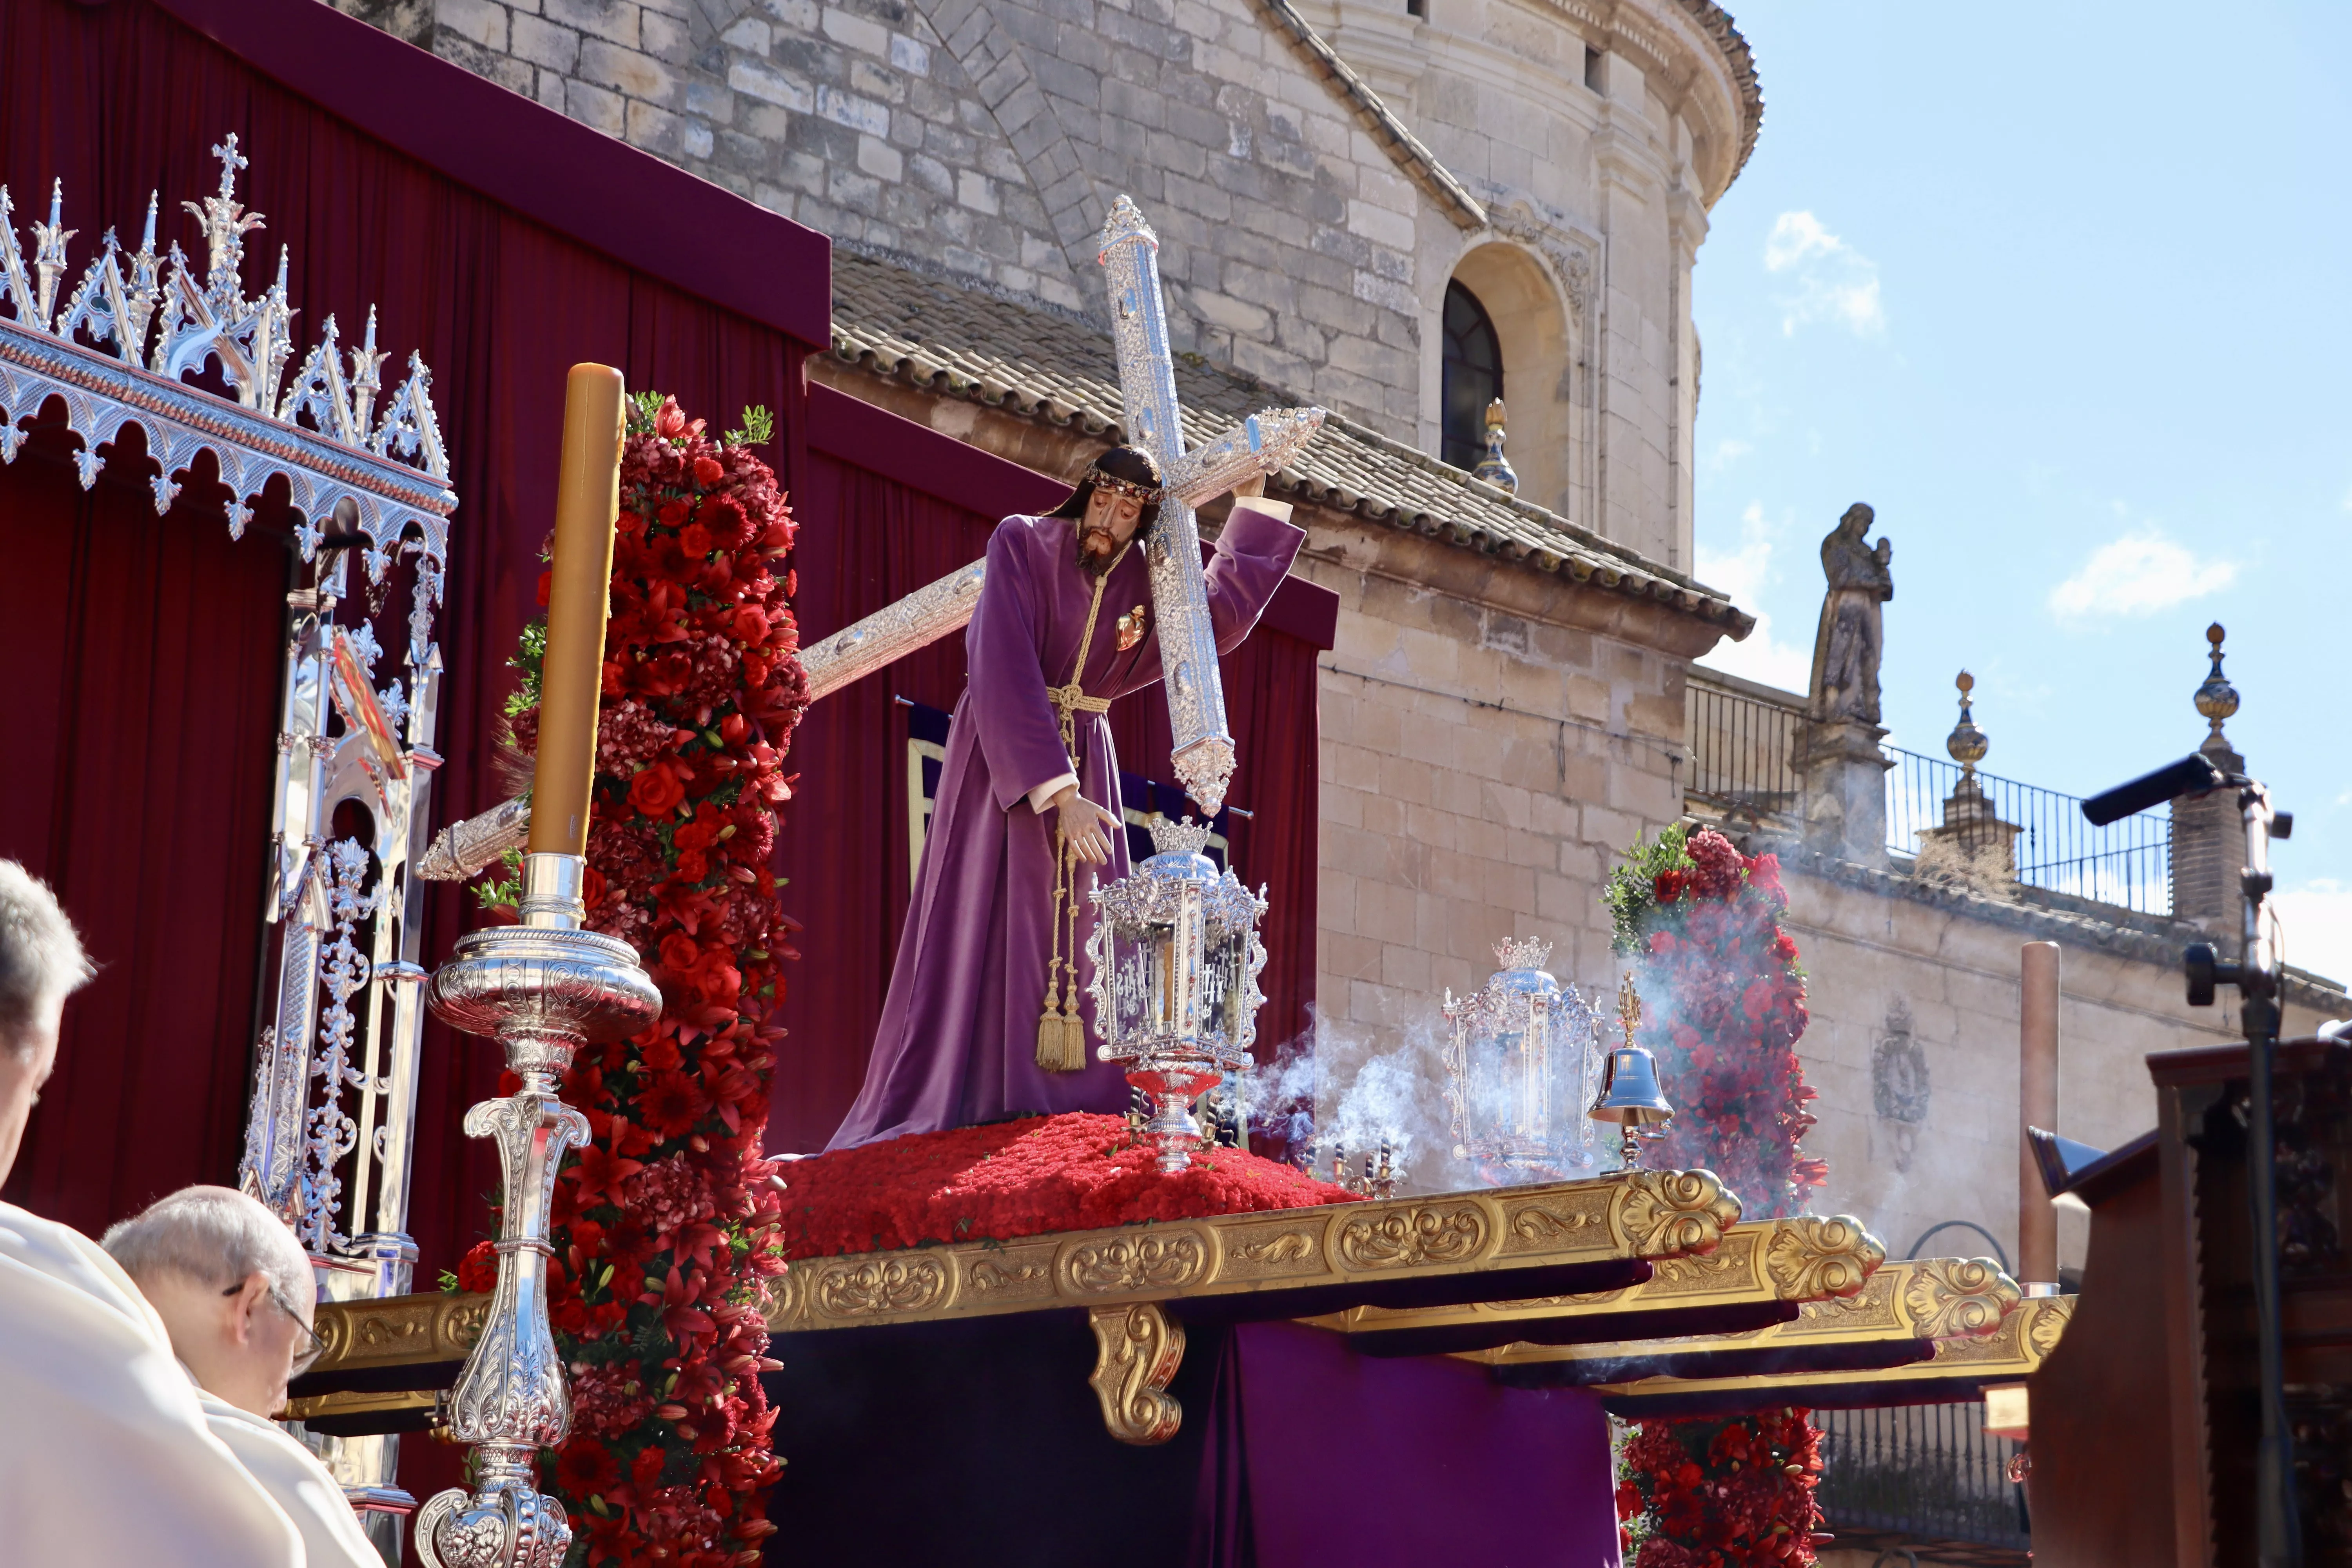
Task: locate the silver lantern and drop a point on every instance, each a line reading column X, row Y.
column 1522, row 1062
column 1176, row 956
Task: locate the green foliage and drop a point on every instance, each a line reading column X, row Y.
column 1632, row 886
column 530, row 658
column 757, row 429
column 506, row 890
column 644, row 406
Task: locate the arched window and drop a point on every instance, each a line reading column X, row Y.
column 1474, row 376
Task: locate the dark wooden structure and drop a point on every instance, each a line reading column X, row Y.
column 2145, row 1418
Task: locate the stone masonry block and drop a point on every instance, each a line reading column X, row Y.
column 657, row 129
column 595, row 106
column 880, row 160
column 614, row 21
column 480, row 22
column 911, row 54
column 849, row 109
column 873, row 79
column 543, row 43
column 856, row 32
column 626, row 71
column 509, row 73
column 764, row 81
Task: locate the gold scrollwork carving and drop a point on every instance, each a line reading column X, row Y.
column 1666, row 1212
column 1810, row 1256
column 1280, row 1251
column 2048, row 1324
column 1139, row 1349
column 1144, row 1262
column 1949, row 1297
column 990, row 1277
column 884, row 1284
column 1560, row 1221
column 1410, row 1237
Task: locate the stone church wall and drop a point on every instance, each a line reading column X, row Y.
column 1914, row 1049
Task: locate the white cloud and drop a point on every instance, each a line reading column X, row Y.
column 1834, row 282
column 2315, row 922
column 2138, row 574
column 1742, row 573
column 1729, row 450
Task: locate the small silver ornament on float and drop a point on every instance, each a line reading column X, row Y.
column 1631, row 1096
column 1521, row 1062
column 1176, row 956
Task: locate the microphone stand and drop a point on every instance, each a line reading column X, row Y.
column 2278, row 1525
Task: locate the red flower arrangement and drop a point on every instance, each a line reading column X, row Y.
column 1724, row 1006
column 666, row 1229
column 1713, row 1494
column 1011, row 1179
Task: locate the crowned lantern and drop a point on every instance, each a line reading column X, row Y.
column 1176, row 957
column 1521, row 1063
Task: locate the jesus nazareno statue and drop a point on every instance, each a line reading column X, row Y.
column 983, row 1019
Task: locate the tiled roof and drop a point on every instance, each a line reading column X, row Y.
column 1060, row 369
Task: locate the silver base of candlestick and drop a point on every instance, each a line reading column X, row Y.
column 541, row 989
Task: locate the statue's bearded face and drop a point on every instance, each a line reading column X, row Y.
column 1110, row 524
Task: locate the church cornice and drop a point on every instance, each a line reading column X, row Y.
column 1371, row 112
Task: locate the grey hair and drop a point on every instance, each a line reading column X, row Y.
column 215, row 1236
column 41, row 959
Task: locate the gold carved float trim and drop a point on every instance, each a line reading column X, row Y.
column 1920, row 1299
column 2013, row 1350
column 1636, row 1213
column 1138, row 1351
column 401, row 1331
column 1760, row 1260
column 405, row 1402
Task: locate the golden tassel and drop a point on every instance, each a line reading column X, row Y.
column 1061, row 1034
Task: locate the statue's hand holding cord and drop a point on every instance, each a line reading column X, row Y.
column 1084, row 826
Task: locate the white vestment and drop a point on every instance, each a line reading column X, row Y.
column 296, row 1482
column 104, row 1454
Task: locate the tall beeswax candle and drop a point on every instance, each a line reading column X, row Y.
column 587, row 502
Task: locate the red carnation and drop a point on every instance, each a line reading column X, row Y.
column 478, row 1269
column 672, row 1104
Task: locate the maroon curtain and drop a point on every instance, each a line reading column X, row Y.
column 140, row 690
column 891, row 506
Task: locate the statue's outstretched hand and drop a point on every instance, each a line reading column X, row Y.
column 1085, row 825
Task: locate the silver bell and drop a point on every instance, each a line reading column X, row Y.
column 1630, row 1095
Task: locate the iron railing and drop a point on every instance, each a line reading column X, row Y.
column 2127, row 863
column 1742, row 752
column 1922, row 1472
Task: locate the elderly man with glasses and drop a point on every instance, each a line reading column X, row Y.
column 233, row 1288
column 105, row 1455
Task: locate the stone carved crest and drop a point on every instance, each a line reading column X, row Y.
column 1810, row 1257
column 1898, row 1070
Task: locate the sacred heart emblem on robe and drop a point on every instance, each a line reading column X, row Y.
column 1131, row 628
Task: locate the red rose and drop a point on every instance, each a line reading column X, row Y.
column 657, row 790
column 680, row 952
column 708, row 472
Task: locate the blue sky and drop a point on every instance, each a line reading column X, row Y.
column 2060, row 291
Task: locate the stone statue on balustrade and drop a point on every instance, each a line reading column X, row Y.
column 1847, row 647
column 1838, row 756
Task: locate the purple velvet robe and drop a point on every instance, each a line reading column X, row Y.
column 958, row 1040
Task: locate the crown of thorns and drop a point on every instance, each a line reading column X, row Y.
column 1145, row 493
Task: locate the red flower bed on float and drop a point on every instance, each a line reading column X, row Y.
column 1011, row 1179
column 666, row 1227
column 1724, row 1006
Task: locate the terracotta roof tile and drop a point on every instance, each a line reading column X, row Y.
column 1058, row 369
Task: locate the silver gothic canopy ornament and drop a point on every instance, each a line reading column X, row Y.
column 120, row 347
column 331, row 1126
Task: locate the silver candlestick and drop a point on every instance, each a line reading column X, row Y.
column 543, row 989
